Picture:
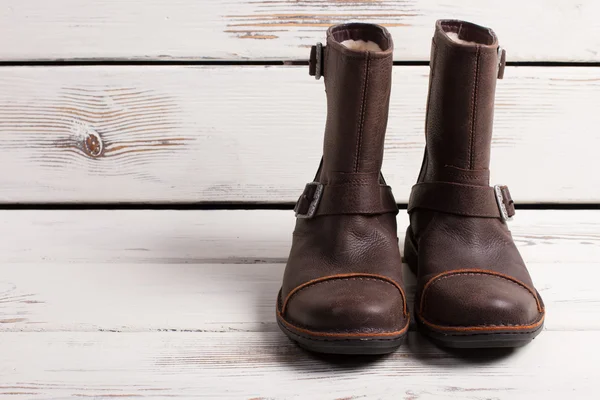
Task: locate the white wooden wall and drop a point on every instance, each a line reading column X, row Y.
column 534, row 30
column 179, row 102
column 157, row 133
column 255, row 133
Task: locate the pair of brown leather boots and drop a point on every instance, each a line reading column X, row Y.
column 342, row 290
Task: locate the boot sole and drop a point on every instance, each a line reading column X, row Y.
column 470, row 340
column 339, row 343
column 467, row 339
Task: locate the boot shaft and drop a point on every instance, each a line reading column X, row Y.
column 357, row 67
column 465, row 63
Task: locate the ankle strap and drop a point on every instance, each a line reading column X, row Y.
column 345, row 198
column 467, row 200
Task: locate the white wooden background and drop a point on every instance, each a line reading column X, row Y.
column 180, row 304
column 255, row 133
column 534, row 30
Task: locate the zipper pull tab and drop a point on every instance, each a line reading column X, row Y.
column 501, row 62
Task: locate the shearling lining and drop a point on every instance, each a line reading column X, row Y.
column 361, row 45
column 454, row 37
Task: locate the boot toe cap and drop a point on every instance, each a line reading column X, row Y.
column 480, row 300
column 356, row 305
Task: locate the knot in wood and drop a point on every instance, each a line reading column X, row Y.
column 93, row 144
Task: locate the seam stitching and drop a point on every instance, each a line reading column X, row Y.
column 474, row 109
column 362, row 113
column 349, row 336
column 532, row 327
column 359, row 184
column 467, row 177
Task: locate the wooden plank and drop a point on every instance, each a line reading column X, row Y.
column 179, row 304
column 126, row 297
column 239, row 365
column 219, row 271
column 280, row 29
column 254, row 134
column 238, row 236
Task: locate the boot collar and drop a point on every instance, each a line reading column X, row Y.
column 353, row 31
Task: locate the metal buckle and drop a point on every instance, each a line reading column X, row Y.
column 501, row 62
column 319, row 61
column 501, row 201
column 312, row 194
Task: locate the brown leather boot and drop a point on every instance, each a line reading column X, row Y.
column 473, row 288
column 342, row 289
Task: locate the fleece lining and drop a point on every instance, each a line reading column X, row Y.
column 361, row 45
column 454, row 37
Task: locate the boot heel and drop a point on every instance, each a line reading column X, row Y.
column 410, row 252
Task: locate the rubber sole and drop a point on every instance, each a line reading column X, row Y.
column 467, row 339
column 363, row 345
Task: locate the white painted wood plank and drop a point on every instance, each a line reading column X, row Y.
column 217, row 297
column 536, row 30
column 238, row 236
column 187, row 134
column 102, row 304
column 220, row 271
column 239, row 365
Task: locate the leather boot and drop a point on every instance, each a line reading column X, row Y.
column 342, row 289
column 473, row 288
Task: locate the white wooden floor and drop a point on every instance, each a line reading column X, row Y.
column 180, row 304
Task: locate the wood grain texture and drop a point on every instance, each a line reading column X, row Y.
column 254, row 134
column 238, row 236
column 536, row 30
column 120, row 297
column 179, row 304
column 240, row 365
column 219, row 271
